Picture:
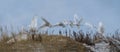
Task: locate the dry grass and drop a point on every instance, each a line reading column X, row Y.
column 39, row 42
column 51, row 43
column 58, row 43
column 83, row 38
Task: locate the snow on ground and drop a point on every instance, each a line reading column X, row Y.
column 99, row 47
column 102, row 47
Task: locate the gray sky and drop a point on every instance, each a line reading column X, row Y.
column 20, row 12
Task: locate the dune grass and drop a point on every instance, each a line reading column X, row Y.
column 51, row 43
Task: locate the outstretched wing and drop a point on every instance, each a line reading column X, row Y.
column 42, row 26
column 45, row 20
column 60, row 24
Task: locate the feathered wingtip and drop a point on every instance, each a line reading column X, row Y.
column 33, row 24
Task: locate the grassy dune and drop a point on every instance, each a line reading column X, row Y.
column 49, row 43
column 35, row 41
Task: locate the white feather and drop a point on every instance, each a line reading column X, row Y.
column 89, row 25
column 100, row 28
column 33, row 24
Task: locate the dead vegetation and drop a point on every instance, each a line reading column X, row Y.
column 51, row 43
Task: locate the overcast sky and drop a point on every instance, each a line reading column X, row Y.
column 20, row 12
